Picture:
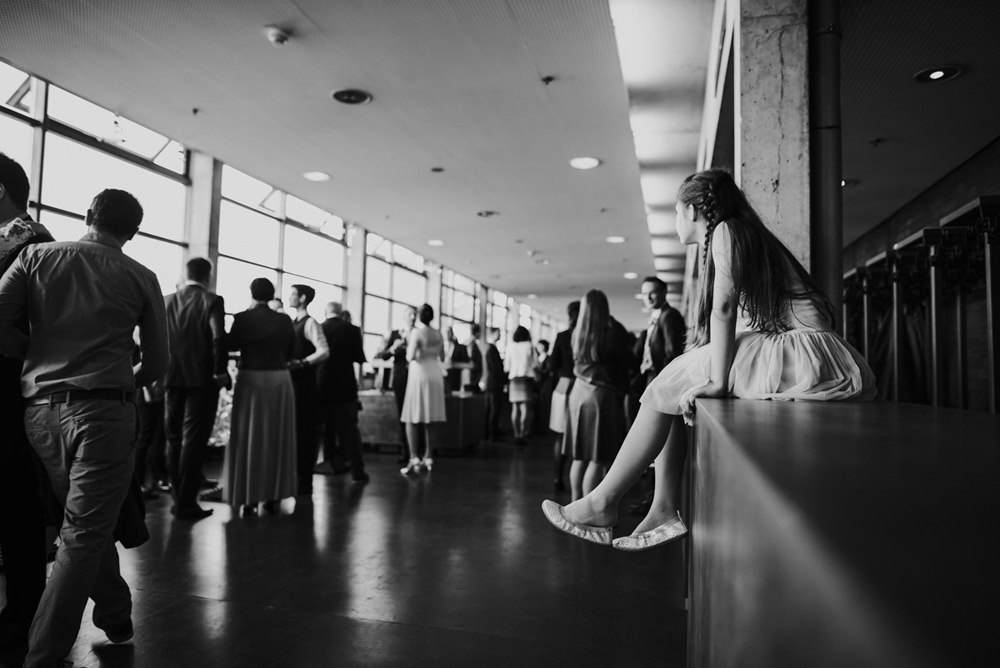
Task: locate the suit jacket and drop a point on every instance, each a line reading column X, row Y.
column 561, row 359
column 337, row 380
column 494, row 377
column 196, row 337
column 667, row 342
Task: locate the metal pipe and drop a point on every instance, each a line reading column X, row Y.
column 826, row 231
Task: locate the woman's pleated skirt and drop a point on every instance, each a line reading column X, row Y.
column 595, row 423
column 260, row 460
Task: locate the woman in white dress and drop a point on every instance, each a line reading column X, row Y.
column 423, row 405
column 764, row 331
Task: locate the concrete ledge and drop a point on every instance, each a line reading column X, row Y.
column 844, row 534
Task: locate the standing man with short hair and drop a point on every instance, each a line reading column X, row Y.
column 662, row 341
column 83, row 300
column 492, row 384
column 338, row 387
column 22, row 525
column 313, row 350
column 198, row 360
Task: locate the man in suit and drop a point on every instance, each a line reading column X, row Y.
column 656, row 347
column 338, row 388
column 492, row 383
column 197, row 370
column 454, row 353
column 22, row 527
column 83, row 301
column 474, row 349
column 395, row 349
column 663, row 338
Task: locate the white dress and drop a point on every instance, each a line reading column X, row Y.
column 424, row 398
column 808, row 362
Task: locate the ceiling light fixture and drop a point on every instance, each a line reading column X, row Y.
column 318, row 177
column 532, row 296
column 352, row 96
column 584, row 162
column 615, row 239
column 488, row 213
column 435, row 242
column 631, row 275
column 938, row 74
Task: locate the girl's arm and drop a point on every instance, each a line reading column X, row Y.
column 722, row 324
column 412, row 345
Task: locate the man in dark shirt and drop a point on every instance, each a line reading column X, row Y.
column 395, row 350
column 22, row 527
column 198, row 359
column 312, row 351
column 492, row 384
column 338, row 387
column 84, row 300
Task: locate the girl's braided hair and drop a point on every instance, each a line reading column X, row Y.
column 763, row 270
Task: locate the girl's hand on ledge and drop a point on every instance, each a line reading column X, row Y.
column 711, row 390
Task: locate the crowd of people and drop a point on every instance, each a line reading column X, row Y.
column 93, row 355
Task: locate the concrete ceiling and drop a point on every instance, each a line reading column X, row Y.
column 461, row 85
column 457, row 84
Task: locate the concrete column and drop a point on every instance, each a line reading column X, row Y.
column 772, row 116
column 354, row 272
column 201, row 228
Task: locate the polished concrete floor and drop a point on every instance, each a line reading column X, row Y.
column 457, row 567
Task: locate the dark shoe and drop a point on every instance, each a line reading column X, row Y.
column 360, row 476
column 272, row 506
column 163, row 485
column 119, row 633
column 193, row 514
column 248, row 510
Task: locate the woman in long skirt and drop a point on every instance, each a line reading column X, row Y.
column 261, row 458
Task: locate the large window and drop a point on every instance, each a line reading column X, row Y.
column 263, row 232
column 459, row 304
column 395, row 280
column 497, row 315
column 86, row 150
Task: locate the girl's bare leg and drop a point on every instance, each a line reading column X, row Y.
column 576, row 471
column 645, row 439
column 413, row 438
column 668, row 472
column 593, row 476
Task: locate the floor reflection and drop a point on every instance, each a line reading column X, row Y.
column 452, row 567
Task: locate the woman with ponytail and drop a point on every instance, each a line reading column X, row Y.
column 763, row 331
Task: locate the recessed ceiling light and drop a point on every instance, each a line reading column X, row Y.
column 487, row 213
column 584, row 162
column 631, row 275
column 532, row 296
column 437, row 170
column 435, row 242
column 615, row 239
column 318, row 177
column 937, row 74
column 352, row 96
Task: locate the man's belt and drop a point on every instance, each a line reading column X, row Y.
column 68, row 396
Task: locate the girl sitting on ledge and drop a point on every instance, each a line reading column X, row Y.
column 763, row 331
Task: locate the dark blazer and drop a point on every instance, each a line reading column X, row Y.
column 196, row 337
column 265, row 339
column 337, row 380
column 494, row 376
column 475, row 356
column 561, row 359
column 667, row 342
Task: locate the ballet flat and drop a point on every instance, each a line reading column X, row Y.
column 555, row 514
column 412, row 468
column 670, row 530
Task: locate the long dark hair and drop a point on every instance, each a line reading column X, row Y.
column 761, row 264
column 592, row 328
